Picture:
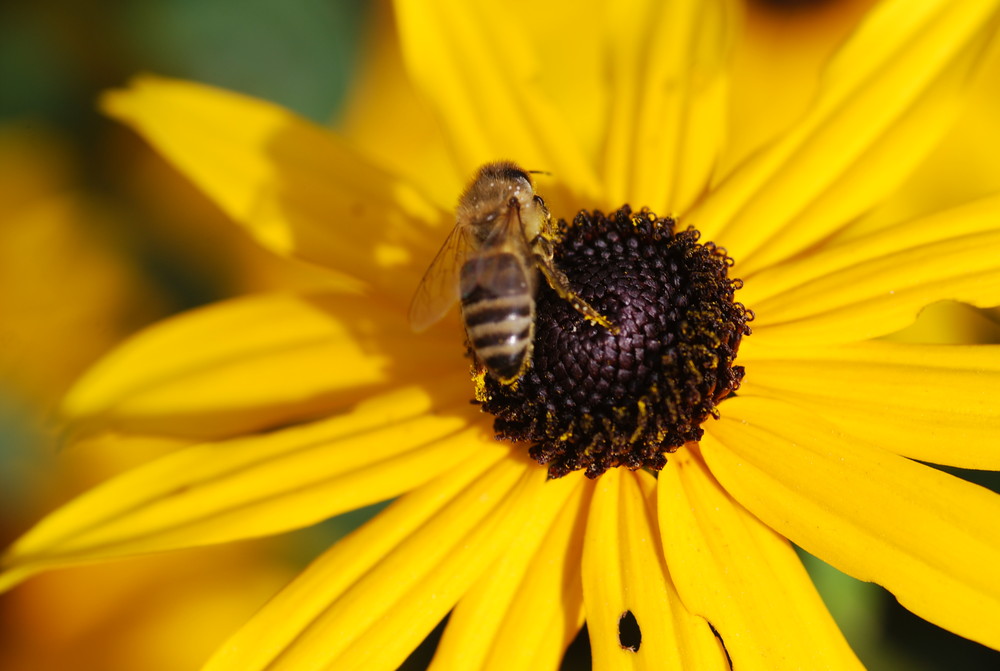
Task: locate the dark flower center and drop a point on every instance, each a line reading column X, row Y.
column 593, row 399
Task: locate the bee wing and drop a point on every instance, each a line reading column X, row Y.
column 487, row 270
column 438, row 290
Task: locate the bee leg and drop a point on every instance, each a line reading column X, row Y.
column 560, row 284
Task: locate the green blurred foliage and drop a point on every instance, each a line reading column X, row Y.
column 55, row 55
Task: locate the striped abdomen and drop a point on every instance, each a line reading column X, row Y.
column 498, row 306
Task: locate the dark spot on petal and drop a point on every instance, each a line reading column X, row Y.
column 794, row 7
column 629, row 634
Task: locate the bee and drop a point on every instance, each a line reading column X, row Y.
column 503, row 236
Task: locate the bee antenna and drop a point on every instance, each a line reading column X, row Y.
column 540, row 172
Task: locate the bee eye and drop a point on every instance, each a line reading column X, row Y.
column 514, row 173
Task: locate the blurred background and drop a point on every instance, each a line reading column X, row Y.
column 99, row 237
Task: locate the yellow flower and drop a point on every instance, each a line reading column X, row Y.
column 66, row 295
column 313, row 404
column 56, row 275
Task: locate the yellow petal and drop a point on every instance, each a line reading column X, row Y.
column 886, row 98
column 624, row 572
column 776, row 68
column 669, row 100
column 743, row 577
column 255, row 363
column 526, row 608
column 419, row 150
column 372, row 598
column 931, row 539
column 929, row 402
column 297, row 187
column 963, row 166
column 257, row 485
column 475, row 63
column 950, row 323
column 370, row 117
column 978, row 216
column 571, row 42
column 875, row 285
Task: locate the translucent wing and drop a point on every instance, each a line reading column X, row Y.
column 438, row 290
column 492, row 268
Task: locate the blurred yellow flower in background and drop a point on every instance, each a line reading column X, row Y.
column 303, row 405
column 68, row 292
column 56, row 277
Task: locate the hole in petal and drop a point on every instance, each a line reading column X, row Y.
column 629, row 634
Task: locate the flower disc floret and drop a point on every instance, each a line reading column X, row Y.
column 594, row 398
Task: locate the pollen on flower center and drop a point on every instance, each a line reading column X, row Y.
column 593, row 399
